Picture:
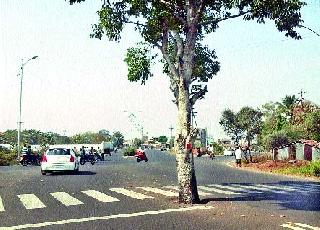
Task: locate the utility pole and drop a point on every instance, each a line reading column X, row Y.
column 20, row 103
column 171, row 128
column 301, row 97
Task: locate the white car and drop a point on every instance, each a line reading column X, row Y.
column 59, row 159
column 228, row 152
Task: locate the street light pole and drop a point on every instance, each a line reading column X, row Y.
column 20, row 103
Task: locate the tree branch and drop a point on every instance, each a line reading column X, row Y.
column 301, row 26
column 215, row 21
column 198, row 95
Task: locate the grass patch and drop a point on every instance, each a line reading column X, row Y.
column 312, row 169
column 7, row 157
column 128, row 151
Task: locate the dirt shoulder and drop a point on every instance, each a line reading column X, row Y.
column 276, row 168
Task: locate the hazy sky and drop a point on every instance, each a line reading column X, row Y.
column 79, row 84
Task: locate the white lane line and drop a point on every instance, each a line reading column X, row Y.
column 201, row 193
column 229, row 187
column 31, row 201
column 291, row 227
column 95, row 218
column 281, row 187
column 307, row 226
column 66, row 199
column 210, row 189
column 130, row 193
column 100, row 196
column 1, row 205
column 273, row 189
column 159, row 191
column 250, row 187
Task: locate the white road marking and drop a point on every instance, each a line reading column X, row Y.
column 250, row 187
column 130, row 193
column 291, row 227
column 210, row 189
column 229, row 187
column 201, row 193
column 1, row 205
column 159, row 191
column 281, row 187
column 31, row 201
column 66, row 199
column 273, row 189
column 100, row 196
column 307, row 226
column 95, row 218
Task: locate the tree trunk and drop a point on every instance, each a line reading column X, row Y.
column 188, row 192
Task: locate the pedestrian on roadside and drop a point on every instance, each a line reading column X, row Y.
column 238, row 155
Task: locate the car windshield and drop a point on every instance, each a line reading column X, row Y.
column 58, row 152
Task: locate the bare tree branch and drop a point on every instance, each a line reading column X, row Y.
column 215, row 21
column 301, row 26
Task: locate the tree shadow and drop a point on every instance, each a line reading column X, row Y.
column 80, row 173
column 296, row 195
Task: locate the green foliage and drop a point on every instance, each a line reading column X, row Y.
column 7, row 157
column 118, row 139
column 137, row 142
column 312, row 125
column 163, row 139
column 138, row 62
column 129, row 151
column 246, row 123
column 217, row 149
column 250, row 122
column 283, row 138
column 313, row 169
column 230, row 125
column 88, row 138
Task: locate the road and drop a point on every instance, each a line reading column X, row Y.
column 120, row 193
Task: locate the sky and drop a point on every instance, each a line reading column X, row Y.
column 79, row 84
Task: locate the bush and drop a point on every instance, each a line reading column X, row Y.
column 312, row 169
column 315, row 168
column 129, row 151
column 7, row 157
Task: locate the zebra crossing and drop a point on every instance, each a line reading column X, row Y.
column 299, row 226
column 32, row 201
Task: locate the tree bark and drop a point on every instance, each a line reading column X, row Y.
column 188, row 192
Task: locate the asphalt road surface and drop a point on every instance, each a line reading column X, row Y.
column 120, row 193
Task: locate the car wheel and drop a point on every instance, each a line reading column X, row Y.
column 146, row 160
column 43, row 172
column 138, row 160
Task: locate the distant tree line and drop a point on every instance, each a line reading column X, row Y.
column 275, row 124
column 36, row 137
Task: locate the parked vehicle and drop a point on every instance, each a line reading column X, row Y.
column 30, row 159
column 140, row 155
column 59, row 159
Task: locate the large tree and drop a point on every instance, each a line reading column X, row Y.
column 230, row 125
column 176, row 28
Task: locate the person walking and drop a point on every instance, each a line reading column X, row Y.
column 238, row 155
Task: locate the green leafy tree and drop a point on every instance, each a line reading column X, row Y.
column 163, row 139
column 217, row 148
column 312, row 125
column 176, row 29
column 137, row 142
column 230, row 125
column 117, row 139
column 250, row 122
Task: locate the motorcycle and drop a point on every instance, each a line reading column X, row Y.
column 87, row 158
column 140, row 155
column 30, row 159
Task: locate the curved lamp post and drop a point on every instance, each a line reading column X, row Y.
column 20, row 101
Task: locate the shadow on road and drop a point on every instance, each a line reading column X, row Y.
column 294, row 195
column 80, row 173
